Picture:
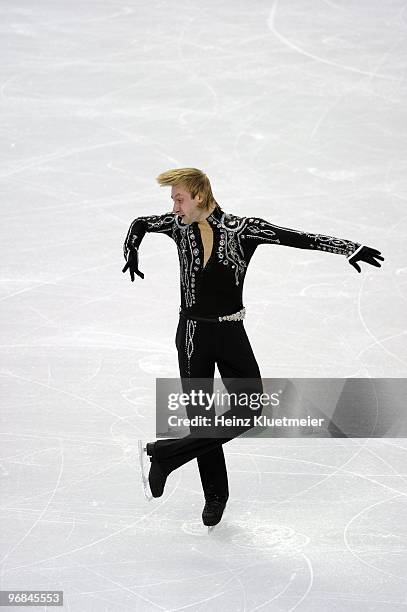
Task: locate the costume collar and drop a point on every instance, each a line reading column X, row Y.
column 216, row 214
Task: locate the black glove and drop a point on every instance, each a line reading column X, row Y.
column 132, row 264
column 366, row 254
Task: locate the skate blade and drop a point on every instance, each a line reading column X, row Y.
column 211, row 528
column 143, row 469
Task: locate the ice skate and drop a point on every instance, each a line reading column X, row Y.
column 212, row 512
column 154, row 482
column 144, row 468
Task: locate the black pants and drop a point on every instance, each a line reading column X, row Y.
column 200, row 345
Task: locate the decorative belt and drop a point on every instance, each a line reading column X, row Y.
column 236, row 316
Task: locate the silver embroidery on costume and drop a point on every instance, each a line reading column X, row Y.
column 160, row 222
column 189, row 342
column 184, row 269
column 266, row 234
column 258, row 228
column 230, row 250
column 334, row 245
column 189, row 259
column 236, row 316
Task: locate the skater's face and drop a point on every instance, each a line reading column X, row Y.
column 186, row 207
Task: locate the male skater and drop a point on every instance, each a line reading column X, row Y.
column 214, row 251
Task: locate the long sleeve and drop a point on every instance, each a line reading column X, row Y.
column 259, row 231
column 162, row 224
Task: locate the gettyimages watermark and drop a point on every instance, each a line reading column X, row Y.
column 297, row 407
column 197, row 398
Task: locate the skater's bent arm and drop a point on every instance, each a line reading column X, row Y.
column 261, row 231
column 162, row 224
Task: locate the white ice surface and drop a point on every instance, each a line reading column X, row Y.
column 297, row 112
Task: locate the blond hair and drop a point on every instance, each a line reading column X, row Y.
column 192, row 180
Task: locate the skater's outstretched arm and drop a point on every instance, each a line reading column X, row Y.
column 260, row 231
column 162, row 224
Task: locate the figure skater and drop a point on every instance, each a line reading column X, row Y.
column 214, row 249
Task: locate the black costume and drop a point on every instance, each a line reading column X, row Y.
column 210, row 329
column 216, row 289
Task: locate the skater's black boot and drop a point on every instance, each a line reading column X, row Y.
column 155, row 482
column 157, row 476
column 213, row 510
